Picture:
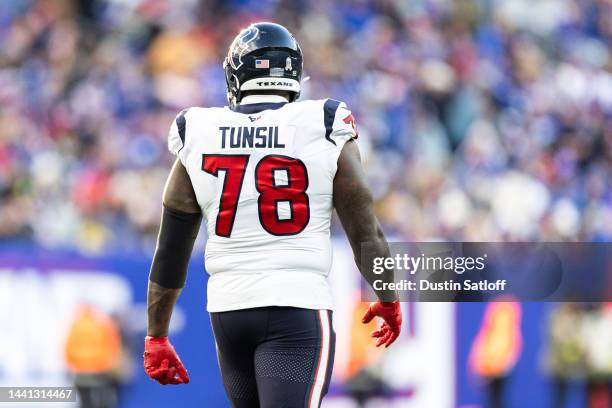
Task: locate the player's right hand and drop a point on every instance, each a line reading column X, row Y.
column 161, row 362
column 391, row 313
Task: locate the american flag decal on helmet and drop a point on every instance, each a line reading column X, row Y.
column 262, row 63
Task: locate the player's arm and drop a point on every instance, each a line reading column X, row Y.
column 355, row 207
column 181, row 219
column 179, row 227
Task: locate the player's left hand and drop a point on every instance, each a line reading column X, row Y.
column 391, row 313
column 161, row 362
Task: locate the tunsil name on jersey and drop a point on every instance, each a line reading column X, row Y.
column 250, row 136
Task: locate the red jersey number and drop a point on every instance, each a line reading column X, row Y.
column 271, row 192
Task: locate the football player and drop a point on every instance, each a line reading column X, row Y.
column 265, row 172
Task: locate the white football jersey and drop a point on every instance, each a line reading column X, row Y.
column 263, row 175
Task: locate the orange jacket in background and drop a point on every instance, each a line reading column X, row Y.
column 362, row 353
column 498, row 344
column 94, row 343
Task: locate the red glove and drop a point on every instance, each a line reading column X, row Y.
column 161, row 362
column 391, row 313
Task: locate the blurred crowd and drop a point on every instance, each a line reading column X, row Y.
column 479, row 120
column 579, row 338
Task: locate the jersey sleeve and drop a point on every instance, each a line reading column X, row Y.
column 340, row 125
column 177, row 134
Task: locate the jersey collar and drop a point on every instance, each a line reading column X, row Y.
column 252, row 99
column 256, row 103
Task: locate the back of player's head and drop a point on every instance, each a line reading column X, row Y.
column 263, row 57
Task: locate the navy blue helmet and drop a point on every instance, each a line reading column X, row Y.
column 264, row 56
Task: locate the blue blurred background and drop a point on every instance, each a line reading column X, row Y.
column 482, row 120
